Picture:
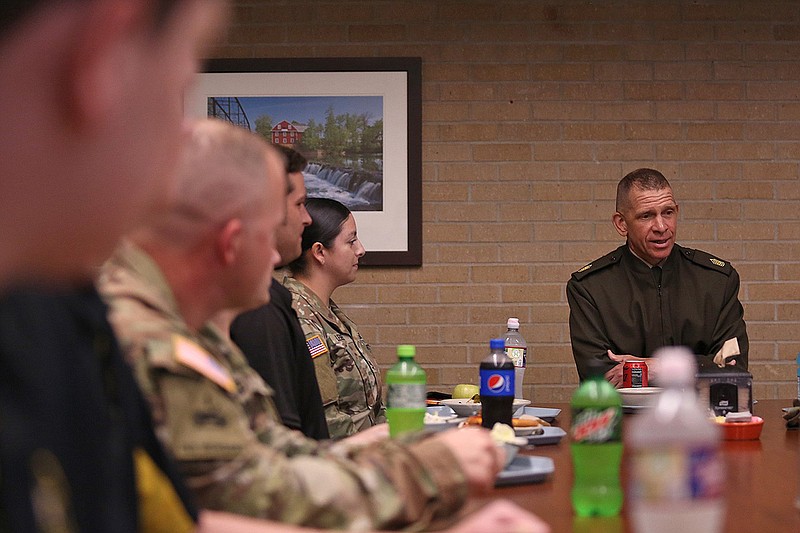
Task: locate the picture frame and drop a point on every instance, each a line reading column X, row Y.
column 388, row 172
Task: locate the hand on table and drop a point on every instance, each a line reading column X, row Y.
column 478, row 456
column 614, row 376
column 500, row 516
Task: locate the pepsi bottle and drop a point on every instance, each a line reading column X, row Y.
column 497, row 386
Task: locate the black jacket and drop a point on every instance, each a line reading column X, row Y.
column 273, row 342
column 617, row 303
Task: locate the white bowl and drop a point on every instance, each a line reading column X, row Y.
column 466, row 407
column 639, row 396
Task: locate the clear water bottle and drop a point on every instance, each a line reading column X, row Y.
column 677, row 472
column 405, row 400
column 497, row 386
column 596, row 447
column 517, row 351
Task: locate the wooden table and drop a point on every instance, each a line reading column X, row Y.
column 763, row 480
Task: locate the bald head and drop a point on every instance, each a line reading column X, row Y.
column 221, row 175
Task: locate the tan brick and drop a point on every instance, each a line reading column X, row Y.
column 581, row 52
column 403, row 294
column 500, row 274
column 435, row 233
column 624, row 152
column 683, row 152
column 469, row 293
column 469, row 253
column 623, row 71
column 467, row 92
column 788, row 271
column 772, row 171
column 492, row 192
column 625, row 111
column 356, row 292
column 573, row 151
column 500, row 72
column 494, row 233
column 468, row 132
column 684, row 110
column 561, row 231
column 593, row 132
column 591, row 91
column 771, row 251
column 746, row 231
column 760, row 312
column 443, row 111
column 447, row 152
column 368, row 276
column 445, row 192
column 377, row 314
column 538, row 131
column 501, row 111
column 654, row 91
column 563, row 111
column 523, row 252
column 758, row 272
column 439, row 274
column 561, row 71
column 501, row 152
column 376, row 32
column 745, row 151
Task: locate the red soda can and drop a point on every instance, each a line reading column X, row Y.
column 634, row 374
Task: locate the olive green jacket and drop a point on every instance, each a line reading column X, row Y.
column 617, row 303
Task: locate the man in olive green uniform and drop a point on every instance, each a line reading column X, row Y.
column 349, row 380
column 651, row 292
column 215, row 250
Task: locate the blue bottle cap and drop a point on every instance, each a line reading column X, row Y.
column 497, row 344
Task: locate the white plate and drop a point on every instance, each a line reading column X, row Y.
column 466, row 407
column 525, row 469
column 551, row 435
column 445, row 412
column 546, row 414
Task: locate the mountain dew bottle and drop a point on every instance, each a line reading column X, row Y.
column 596, row 447
column 405, row 400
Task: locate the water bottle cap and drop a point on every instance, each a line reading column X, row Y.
column 513, row 323
column 497, row 344
column 676, row 365
column 406, row 350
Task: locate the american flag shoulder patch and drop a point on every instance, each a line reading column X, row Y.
column 315, row 346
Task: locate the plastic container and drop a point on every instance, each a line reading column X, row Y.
column 677, row 473
column 405, row 400
column 517, row 350
column 497, row 386
column 596, row 447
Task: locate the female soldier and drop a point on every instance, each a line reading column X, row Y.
column 349, row 379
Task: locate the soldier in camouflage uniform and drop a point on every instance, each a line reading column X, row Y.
column 215, row 413
column 349, row 380
column 348, row 377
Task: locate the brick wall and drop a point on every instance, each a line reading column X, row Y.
column 532, row 111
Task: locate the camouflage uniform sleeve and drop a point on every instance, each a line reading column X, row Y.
column 340, row 424
column 230, row 467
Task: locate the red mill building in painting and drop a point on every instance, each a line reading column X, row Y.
column 286, row 133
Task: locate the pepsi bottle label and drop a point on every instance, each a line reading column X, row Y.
column 497, row 382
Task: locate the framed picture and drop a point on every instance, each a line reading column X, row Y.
column 358, row 121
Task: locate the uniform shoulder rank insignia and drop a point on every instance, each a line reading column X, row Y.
column 584, row 268
column 192, row 355
column 717, row 262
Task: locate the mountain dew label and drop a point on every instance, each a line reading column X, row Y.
column 596, row 426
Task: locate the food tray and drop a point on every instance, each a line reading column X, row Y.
column 545, row 413
column 525, row 469
column 551, row 435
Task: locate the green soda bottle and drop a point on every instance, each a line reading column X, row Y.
column 405, row 401
column 596, row 447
